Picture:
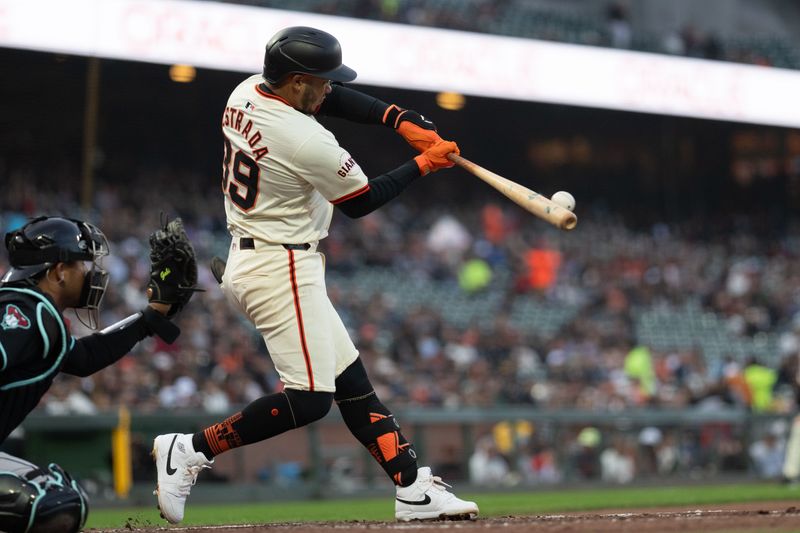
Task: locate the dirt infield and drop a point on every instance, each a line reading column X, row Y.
column 732, row 518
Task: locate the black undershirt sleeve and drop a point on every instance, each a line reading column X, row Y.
column 95, row 352
column 381, row 189
column 356, row 106
column 344, row 102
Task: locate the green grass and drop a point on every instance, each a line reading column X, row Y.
column 491, row 504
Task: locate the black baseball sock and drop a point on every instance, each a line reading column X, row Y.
column 264, row 418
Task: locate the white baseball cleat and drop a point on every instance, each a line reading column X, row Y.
column 427, row 499
column 177, row 465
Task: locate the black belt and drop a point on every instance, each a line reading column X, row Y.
column 248, row 243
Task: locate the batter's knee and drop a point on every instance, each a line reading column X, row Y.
column 353, row 383
column 308, row 406
column 42, row 501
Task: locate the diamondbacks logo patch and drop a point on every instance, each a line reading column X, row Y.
column 14, row 318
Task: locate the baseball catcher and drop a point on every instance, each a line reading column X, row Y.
column 57, row 263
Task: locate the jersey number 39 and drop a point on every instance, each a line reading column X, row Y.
column 243, row 188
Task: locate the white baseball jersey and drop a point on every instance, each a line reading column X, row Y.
column 282, row 169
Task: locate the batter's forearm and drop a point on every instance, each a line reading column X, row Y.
column 349, row 104
column 381, row 189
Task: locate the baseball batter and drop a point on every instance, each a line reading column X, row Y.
column 282, row 175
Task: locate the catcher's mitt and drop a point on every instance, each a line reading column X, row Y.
column 173, row 267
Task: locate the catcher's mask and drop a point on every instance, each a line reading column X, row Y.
column 45, row 241
column 300, row 49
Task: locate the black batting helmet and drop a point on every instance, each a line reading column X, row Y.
column 305, row 50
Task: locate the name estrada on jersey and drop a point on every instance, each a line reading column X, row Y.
column 282, row 191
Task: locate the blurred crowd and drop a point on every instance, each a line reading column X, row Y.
column 744, row 271
column 590, row 26
column 515, row 453
column 606, row 272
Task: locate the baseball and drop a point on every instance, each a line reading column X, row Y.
column 564, row 199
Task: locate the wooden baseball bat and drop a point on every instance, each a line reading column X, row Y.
column 530, row 201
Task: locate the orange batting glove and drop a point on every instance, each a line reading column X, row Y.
column 435, row 157
column 417, row 130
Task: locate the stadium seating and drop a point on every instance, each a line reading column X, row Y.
column 534, row 21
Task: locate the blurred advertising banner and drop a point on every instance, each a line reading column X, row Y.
column 232, row 37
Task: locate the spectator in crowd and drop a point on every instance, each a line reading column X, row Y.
column 487, row 466
column 619, row 27
column 650, row 439
column 760, row 380
column 768, row 452
column 542, row 465
column 617, row 462
column 584, row 453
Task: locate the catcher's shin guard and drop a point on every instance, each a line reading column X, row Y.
column 42, row 501
column 374, row 425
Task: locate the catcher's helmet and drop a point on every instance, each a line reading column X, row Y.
column 44, row 241
column 305, row 50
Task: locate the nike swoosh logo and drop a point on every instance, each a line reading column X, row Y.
column 425, row 501
column 171, row 470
